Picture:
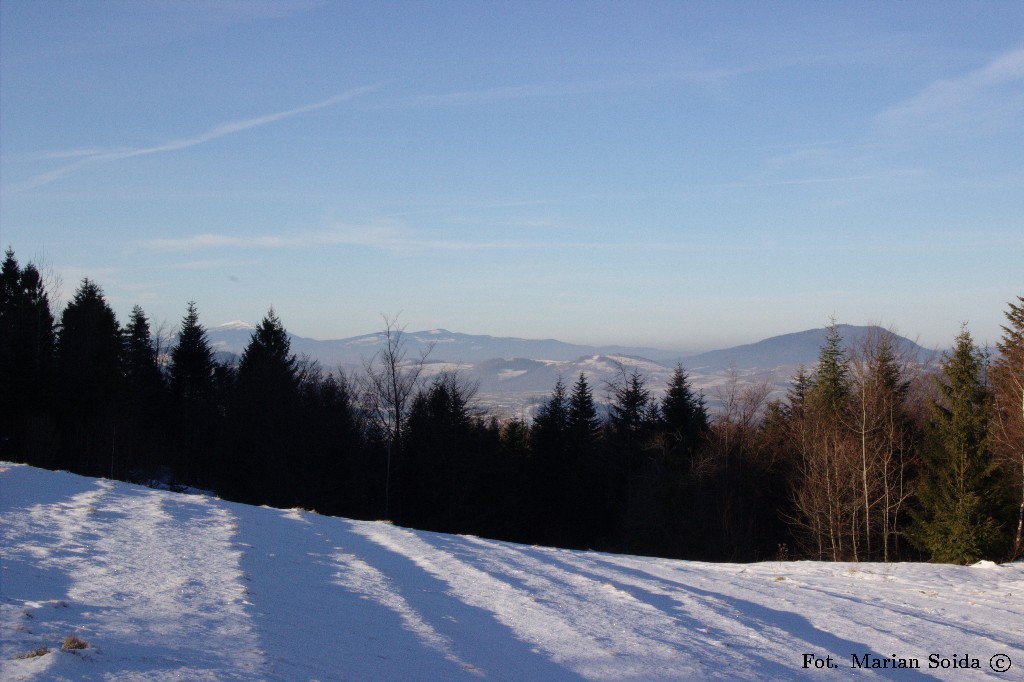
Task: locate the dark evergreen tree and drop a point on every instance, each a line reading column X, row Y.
column 194, row 375
column 635, row 449
column 831, row 383
column 192, row 364
column 338, row 477
column 549, row 434
column 630, row 413
column 267, row 362
column 632, row 416
column 10, row 285
column 515, row 440
column 660, row 446
column 90, row 351
column 264, row 417
column 551, row 464
column 89, row 361
column 141, row 367
column 441, row 467
column 508, row 483
column 955, row 521
column 27, row 346
column 583, row 421
column 145, row 401
column 593, row 489
column 796, row 396
column 684, row 414
column 10, row 278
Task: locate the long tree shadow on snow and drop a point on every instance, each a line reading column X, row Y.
column 19, row 490
column 313, row 621
column 45, row 547
column 692, row 641
column 756, row 617
column 475, row 633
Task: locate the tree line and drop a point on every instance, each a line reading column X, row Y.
column 872, row 455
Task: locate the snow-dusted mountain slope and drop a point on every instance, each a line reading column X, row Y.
column 169, row 586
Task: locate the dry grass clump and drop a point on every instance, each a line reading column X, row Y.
column 35, row 653
column 72, row 643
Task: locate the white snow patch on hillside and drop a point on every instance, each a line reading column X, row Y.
column 170, row 586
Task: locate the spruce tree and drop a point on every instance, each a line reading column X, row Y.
column 799, row 388
column 10, row 279
column 551, row 425
column 141, row 368
column 683, row 413
column 27, row 337
column 264, row 420
column 40, row 339
column 632, row 415
column 584, row 424
column 593, row 489
column 268, row 365
column 551, row 466
column 956, row 494
column 630, row 410
column 27, row 347
column 89, row 350
column 145, row 401
column 10, row 274
column 193, row 377
column 831, row 382
column 329, row 431
column 89, row 365
column 440, row 474
column 192, row 364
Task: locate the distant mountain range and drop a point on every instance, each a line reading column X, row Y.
column 515, row 374
column 446, row 346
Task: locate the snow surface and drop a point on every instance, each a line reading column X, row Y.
column 169, row 586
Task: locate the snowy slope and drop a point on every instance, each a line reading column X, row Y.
column 169, row 586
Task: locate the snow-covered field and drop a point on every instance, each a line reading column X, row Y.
column 188, row 587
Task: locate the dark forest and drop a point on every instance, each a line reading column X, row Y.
column 871, row 456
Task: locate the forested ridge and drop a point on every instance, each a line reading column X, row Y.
column 872, row 455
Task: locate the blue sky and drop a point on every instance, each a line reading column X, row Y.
column 679, row 174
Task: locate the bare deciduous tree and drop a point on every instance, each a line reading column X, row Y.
column 390, row 381
column 882, row 374
column 1007, row 374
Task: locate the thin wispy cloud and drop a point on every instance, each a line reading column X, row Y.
column 990, row 95
column 612, row 83
column 56, row 154
column 401, row 240
column 383, row 237
column 467, row 204
column 370, row 235
column 812, row 181
column 87, row 157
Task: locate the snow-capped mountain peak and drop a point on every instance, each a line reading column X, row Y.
column 235, row 324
